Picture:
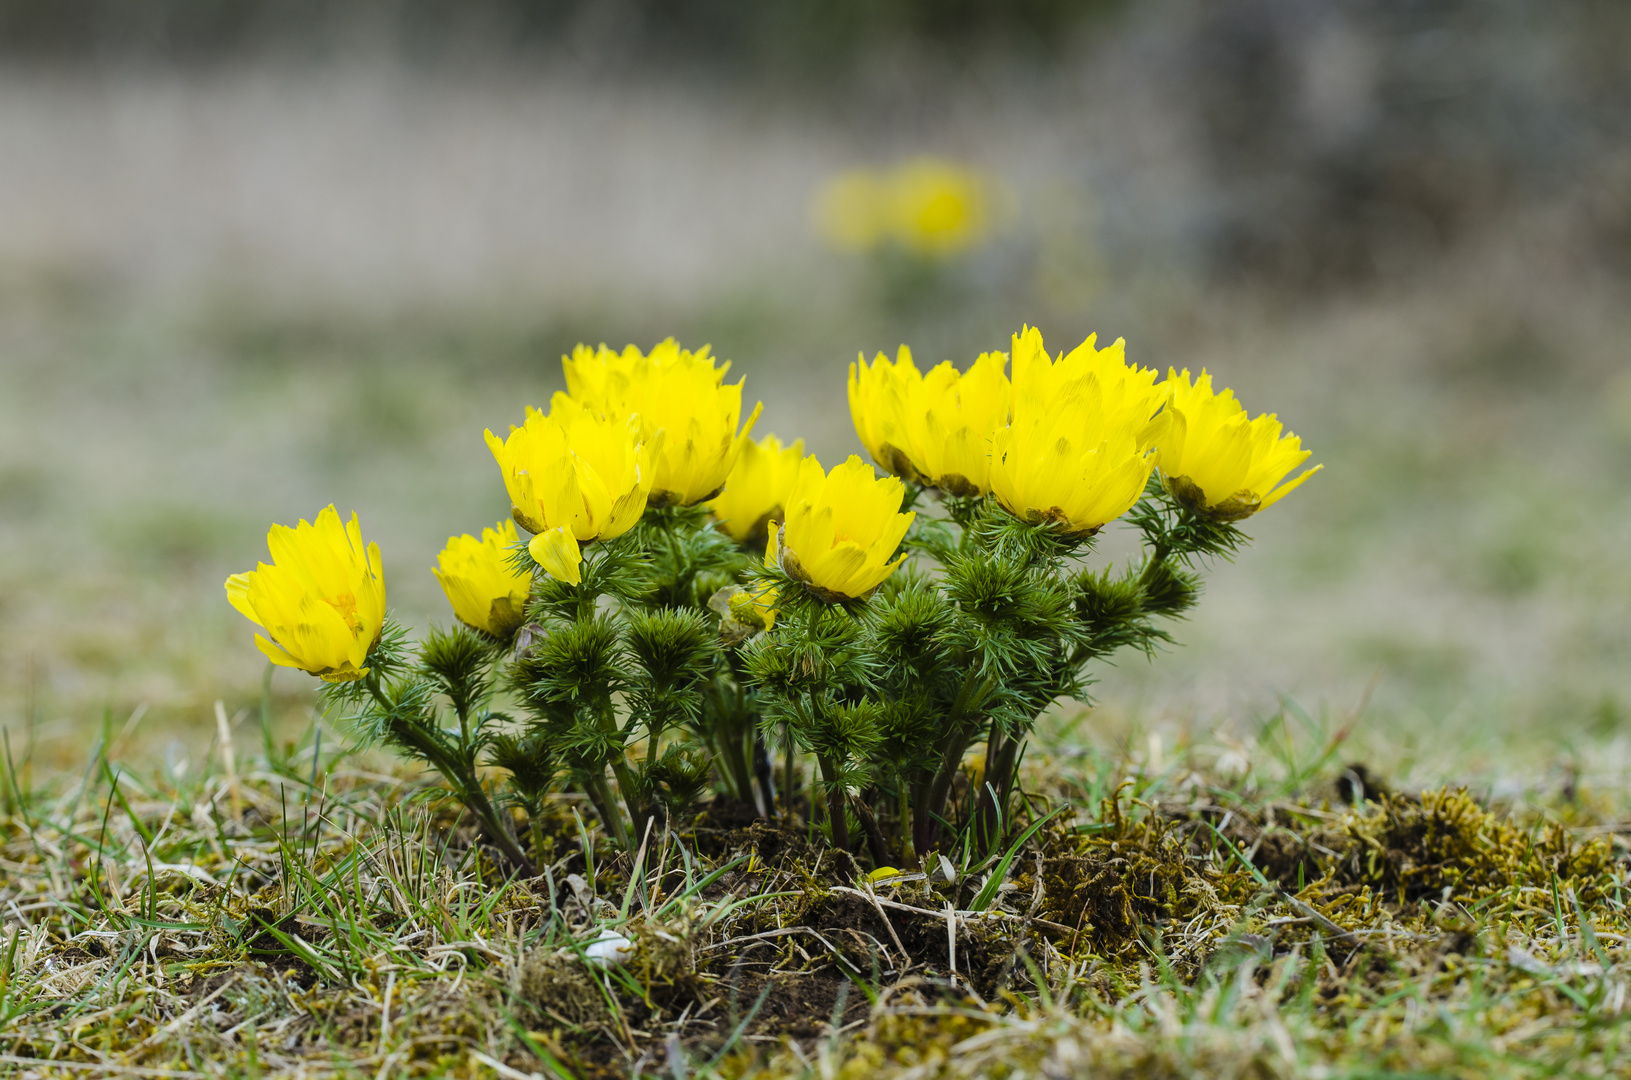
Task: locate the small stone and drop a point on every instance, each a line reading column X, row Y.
column 608, row 949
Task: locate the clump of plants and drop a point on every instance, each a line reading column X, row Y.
column 692, row 610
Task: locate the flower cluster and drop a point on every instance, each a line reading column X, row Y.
column 690, row 601
column 1072, row 440
column 681, row 404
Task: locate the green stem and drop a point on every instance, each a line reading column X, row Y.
column 535, row 828
column 586, row 594
column 630, row 787
column 765, row 791
column 837, row 814
column 625, row 776
column 874, row 836
column 674, row 552
column 1159, row 553
column 476, row 799
column 930, row 805
column 473, row 795
column 787, row 773
column 600, row 793
column 735, row 762
column 463, row 709
column 371, row 681
column 465, row 784
column 654, row 732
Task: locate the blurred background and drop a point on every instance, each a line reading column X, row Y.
column 261, row 255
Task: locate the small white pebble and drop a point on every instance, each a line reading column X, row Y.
column 608, row 949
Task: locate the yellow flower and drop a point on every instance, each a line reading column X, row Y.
column 573, row 475
column 755, row 608
column 883, row 403
column 588, row 371
column 940, row 208
column 1080, row 446
column 485, row 590
column 321, row 601
column 746, row 609
column 674, row 391
column 936, row 428
column 756, row 490
column 962, row 413
column 1219, row 464
column 852, row 210
column 841, row 529
column 931, row 207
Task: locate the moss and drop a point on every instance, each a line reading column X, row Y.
column 1445, row 845
column 1127, row 877
column 558, row 987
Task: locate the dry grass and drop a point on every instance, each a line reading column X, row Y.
column 283, row 913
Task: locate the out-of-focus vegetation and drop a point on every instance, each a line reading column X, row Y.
column 805, row 37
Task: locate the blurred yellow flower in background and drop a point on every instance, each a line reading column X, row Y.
column 841, row 529
column 1080, row 446
column 321, row 601
column 756, row 490
column 575, row 469
column 929, row 206
column 1217, row 462
column 852, row 210
column 936, row 429
column 674, row 391
column 485, row 589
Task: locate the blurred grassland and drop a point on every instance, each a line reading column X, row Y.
column 229, row 298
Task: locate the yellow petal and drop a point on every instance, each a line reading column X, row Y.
column 558, row 553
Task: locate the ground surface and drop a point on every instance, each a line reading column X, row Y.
column 305, row 916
